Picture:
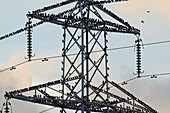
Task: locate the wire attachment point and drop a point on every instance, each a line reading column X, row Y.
column 45, row 59
column 153, row 76
column 12, row 68
column 124, row 83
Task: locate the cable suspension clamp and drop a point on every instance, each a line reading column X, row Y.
column 138, row 47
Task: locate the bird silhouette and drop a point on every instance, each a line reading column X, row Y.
column 148, row 11
column 142, row 21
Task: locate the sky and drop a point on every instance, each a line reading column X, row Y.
column 47, row 42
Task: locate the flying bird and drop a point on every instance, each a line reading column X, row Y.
column 148, row 11
column 142, row 21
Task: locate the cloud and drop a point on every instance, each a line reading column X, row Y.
column 154, row 92
column 139, row 7
column 16, row 78
column 162, row 5
column 26, row 75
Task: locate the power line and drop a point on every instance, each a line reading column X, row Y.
column 59, row 56
column 47, row 110
column 134, row 78
column 155, row 43
column 144, row 76
column 14, row 66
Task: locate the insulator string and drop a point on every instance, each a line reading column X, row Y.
column 29, row 39
column 138, row 44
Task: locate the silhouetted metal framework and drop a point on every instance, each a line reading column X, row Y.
column 84, row 85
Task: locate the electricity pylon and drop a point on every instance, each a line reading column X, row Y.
column 84, row 85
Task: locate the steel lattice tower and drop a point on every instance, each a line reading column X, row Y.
column 84, row 33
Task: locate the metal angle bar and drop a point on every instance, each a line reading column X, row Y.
column 70, row 11
column 80, row 63
column 64, row 53
column 42, row 85
column 75, row 94
column 97, row 67
column 74, row 39
column 45, row 94
column 97, row 23
column 104, row 1
column 98, row 92
column 30, row 99
column 132, row 96
column 111, row 106
column 35, row 87
column 75, row 42
column 117, row 18
column 116, row 25
column 58, row 22
column 89, row 69
column 82, row 59
column 76, row 7
column 95, row 42
column 122, row 89
column 89, row 53
column 67, row 48
column 106, row 66
column 94, row 36
column 54, row 6
column 74, row 70
column 101, row 7
column 40, row 98
column 72, row 63
column 51, row 20
column 86, row 57
column 100, row 60
column 77, row 66
column 147, row 106
column 112, row 95
column 87, row 28
column 64, row 12
column 117, row 97
column 74, row 88
column 97, row 13
column 95, row 87
column 47, row 101
column 68, row 94
column 55, row 90
column 87, row 109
